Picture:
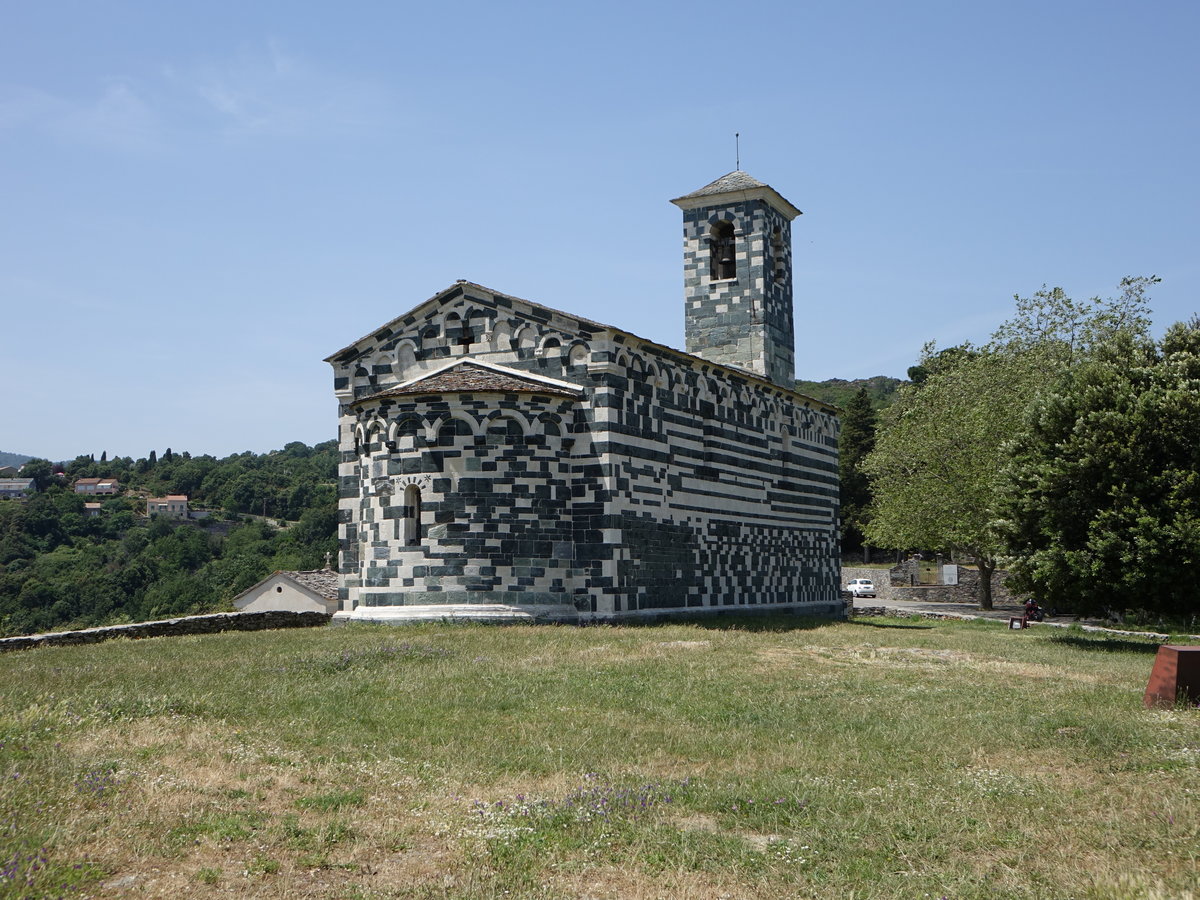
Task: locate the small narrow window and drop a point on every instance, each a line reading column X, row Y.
column 722, row 263
column 412, row 516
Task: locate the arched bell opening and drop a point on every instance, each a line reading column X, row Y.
column 722, row 255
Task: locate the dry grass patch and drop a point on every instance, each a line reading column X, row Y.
column 1011, row 671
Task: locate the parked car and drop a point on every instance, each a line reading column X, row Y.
column 861, row 587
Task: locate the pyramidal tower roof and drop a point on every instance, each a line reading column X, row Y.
column 737, row 182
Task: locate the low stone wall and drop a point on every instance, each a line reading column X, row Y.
column 883, row 587
column 210, row 624
column 966, row 591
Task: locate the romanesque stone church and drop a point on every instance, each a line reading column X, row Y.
column 501, row 459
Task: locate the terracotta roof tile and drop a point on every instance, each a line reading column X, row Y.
column 466, row 378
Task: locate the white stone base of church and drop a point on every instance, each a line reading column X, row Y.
column 457, row 612
column 564, row 614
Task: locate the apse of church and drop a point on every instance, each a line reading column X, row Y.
column 501, row 459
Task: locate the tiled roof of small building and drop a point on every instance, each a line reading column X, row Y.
column 322, row 581
column 466, row 378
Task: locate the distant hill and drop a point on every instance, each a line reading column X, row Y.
column 838, row 391
column 13, row 459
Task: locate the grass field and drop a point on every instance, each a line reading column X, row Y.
column 877, row 758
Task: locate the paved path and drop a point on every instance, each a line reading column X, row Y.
column 1001, row 613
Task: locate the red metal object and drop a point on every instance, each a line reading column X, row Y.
column 1176, row 676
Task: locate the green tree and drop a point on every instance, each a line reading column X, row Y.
column 857, row 439
column 1102, row 507
column 936, row 467
column 41, row 471
column 937, row 471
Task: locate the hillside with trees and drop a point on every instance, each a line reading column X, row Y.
column 880, row 390
column 15, row 460
column 60, row 567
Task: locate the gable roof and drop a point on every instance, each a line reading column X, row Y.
column 322, row 582
column 478, row 376
column 459, row 288
column 388, row 330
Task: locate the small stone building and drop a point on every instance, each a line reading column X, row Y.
column 305, row 591
column 502, row 459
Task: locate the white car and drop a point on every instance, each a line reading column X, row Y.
column 861, row 587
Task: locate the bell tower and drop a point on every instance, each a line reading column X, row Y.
column 737, row 276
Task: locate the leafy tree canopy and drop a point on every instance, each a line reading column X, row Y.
column 937, row 470
column 880, row 388
column 1102, row 507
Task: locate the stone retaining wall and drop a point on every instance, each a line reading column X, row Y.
column 883, row 588
column 210, row 624
column 966, row 591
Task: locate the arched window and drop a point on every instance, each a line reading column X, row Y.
column 411, row 521
column 722, row 262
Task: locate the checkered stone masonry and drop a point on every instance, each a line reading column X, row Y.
column 745, row 321
column 576, row 471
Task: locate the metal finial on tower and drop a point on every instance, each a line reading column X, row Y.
column 737, row 150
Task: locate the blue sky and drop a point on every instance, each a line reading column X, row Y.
column 200, row 201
